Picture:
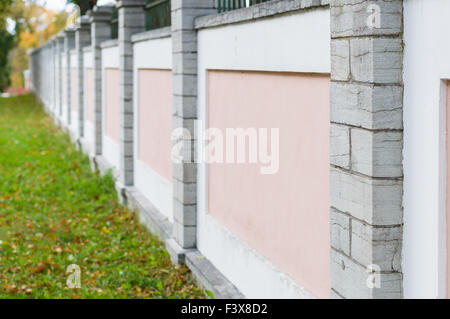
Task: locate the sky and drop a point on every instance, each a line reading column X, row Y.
column 54, row 5
column 58, row 5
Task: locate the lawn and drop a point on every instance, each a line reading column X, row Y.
column 55, row 212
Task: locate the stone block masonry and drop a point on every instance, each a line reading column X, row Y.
column 184, row 57
column 366, row 177
column 69, row 44
column 82, row 39
column 131, row 21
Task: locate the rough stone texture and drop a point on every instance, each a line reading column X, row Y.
column 340, row 59
column 352, row 279
column 367, row 105
column 378, row 153
column 350, row 17
column 366, row 176
column 377, row 245
column 376, row 60
column 340, row 231
column 131, row 21
column 340, row 145
column 82, row 39
column 184, row 53
column 100, row 18
column 375, row 201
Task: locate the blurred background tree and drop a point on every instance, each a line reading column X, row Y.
column 6, row 44
column 30, row 25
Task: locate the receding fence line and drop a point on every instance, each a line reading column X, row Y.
column 181, row 66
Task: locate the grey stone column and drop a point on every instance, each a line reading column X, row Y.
column 69, row 44
column 100, row 18
column 82, row 39
column 131, row 21
column 59, row 52
column 366, row 148
column 54, row 77
column 184, row 56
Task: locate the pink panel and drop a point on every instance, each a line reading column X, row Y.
column 112, row 124
column 285, row 216
column 74, row 89
column 448, row 188
column 155, row 120
column 89, row 94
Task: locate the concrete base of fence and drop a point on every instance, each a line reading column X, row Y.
column 210, row 278
column 148, row 214
column 206, row 274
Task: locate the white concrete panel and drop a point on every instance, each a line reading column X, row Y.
column 426, row 64
column 292, row 43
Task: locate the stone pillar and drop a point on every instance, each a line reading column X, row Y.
column 131, row 21
column 184, row 57
column 82, row 39
column 59, row 52
column 366, row 177
column 100, row 18
column 54, row 77
column 69, row 44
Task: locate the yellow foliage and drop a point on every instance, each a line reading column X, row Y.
column 39, row 25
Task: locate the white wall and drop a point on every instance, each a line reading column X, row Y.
column 293, row 43
column 110, row 59
column 151, row 54
column 426, row 63
column 89, row 131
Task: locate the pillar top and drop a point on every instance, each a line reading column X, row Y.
column 130, row 3
column 100, row 13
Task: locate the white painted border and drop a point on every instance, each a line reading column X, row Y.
column 74, row 125
column 293, row 43
column 426, row 64
column 110, row 151
column 151, row 54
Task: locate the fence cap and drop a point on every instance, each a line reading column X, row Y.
column 131, row 3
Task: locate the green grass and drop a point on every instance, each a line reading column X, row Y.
column 54, row 212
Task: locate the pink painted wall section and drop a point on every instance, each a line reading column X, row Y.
column 155, row 120
column 74, row 89
column 89, row 94
column 112, row 124
column 284, row 216
column 448, row 188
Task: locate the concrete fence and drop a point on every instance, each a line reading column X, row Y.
column 335, row 214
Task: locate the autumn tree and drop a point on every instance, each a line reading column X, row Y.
column 34, row 26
